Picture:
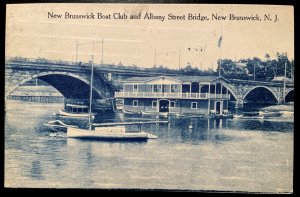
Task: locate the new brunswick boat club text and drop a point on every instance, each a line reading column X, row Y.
column 151, row 16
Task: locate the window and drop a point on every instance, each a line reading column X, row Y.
column 172, row 103
column 174, row 88
column 164, row 88
column 135, row 88
column 155, row 88
column 135, row 103
column 194, row 105
column 154, row 104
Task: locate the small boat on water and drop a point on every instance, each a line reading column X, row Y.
column 161, row 114
column 249, row 115
column 287, row 113
column 131, row 112
column 108, row 133
column 268, row 114
column 226, row 114
column 58, row 125
column 78, row 111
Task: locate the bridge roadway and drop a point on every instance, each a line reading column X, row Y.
column 78, row 67
column 68, row 78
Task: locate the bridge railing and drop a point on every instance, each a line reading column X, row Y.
column 170, row 95
column 219, row 96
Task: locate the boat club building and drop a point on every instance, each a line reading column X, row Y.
column 175, row 95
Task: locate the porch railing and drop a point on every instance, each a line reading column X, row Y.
column 170, row 95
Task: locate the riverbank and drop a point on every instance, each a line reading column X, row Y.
column 41, row 94
column 284, row 107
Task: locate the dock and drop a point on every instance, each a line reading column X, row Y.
column 130, row 123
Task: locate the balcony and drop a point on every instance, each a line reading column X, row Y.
column 171, row 95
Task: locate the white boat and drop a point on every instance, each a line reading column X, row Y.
column 248, row 117
column 287, row 113
column 108, row 133
column 160, row 114
column 272, row 114
column 237, row 116
column 131, row 112
column 58, row 125
column 80, row 111
column 163, row 114
column 148, row 113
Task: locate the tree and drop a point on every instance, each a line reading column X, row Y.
column 230, row 69
column 283, row 61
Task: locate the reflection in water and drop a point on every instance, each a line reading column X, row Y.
column 36, row 170
column 190, row 153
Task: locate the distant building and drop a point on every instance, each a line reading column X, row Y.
column 282, row 78
column 241, row 64
column 176, row 94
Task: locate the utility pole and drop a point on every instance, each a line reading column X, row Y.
column 292, row 72
column 220, row 67
column 76, row 60
column 276, row 70
column 201, row 49
column 91, row 86
column 284, row 83
column 254, row 71
column 91, row 93
column 88, row 43
column 179, row 58
column 155, row 57
column 102, row 51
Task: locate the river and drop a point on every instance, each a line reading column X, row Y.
column 189, row 154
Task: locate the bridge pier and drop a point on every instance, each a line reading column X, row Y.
column 239, row 104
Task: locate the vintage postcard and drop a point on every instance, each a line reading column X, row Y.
column 150, row 96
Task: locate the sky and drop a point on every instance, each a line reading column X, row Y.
column 31, row 33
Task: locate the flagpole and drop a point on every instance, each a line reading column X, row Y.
column 220, row 46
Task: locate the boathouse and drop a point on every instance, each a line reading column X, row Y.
column 176, row 94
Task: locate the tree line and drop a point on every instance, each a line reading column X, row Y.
column 258, row 69
column 248, row 69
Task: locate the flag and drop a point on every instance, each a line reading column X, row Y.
column 220, row 42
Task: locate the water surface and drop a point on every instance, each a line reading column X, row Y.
column 190, row 153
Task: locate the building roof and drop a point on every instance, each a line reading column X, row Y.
column 182, row 78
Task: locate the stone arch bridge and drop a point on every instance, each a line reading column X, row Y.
column 240, row 89
column 73, row 80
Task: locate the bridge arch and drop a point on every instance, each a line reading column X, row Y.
column 289, row 96
column 264, row 87
column 231, row 92
column 80, row 80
